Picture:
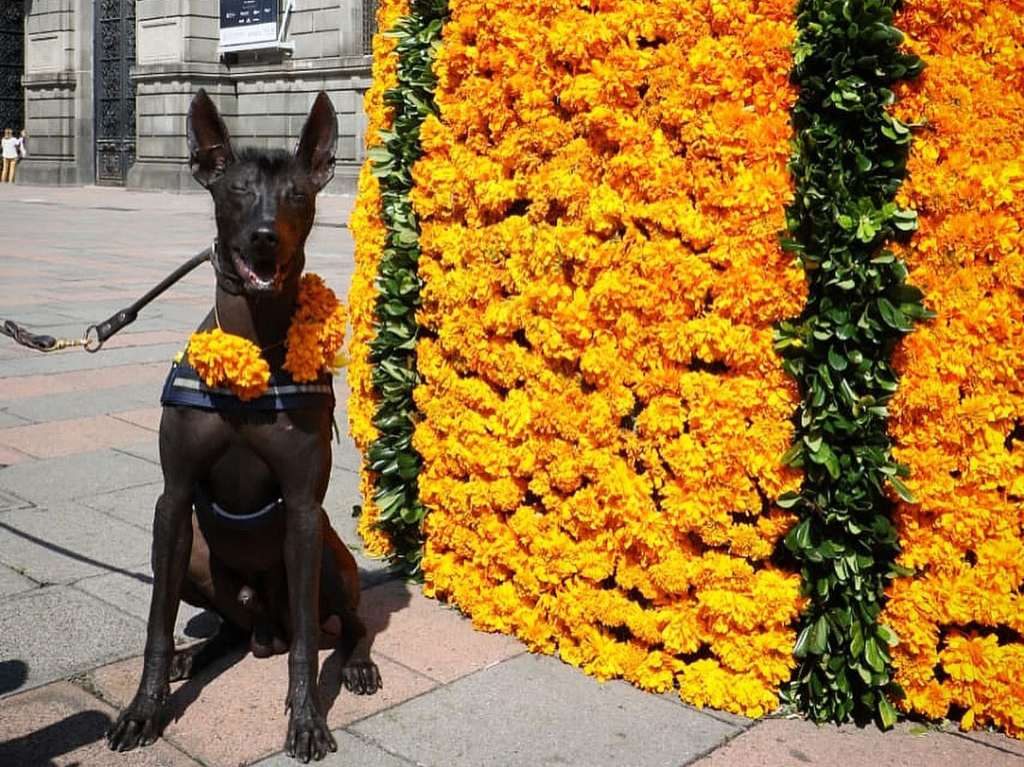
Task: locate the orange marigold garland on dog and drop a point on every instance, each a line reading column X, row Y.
column 223, row 359
column 317, row 332
column 313, row 344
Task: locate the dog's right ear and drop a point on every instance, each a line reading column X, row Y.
column 209, row 145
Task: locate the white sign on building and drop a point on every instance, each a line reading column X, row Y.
column 247, row 22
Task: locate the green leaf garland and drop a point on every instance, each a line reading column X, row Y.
column 392, row 457
column 849, row 160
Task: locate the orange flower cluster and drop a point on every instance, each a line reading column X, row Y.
column 958, row 419
column 369, row 234
column 603, row 413
column 317, row 331
column 315, row 337
column 224, row 359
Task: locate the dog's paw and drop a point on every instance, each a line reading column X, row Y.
column 361, row 677
column 138, row 725
column 308, row 735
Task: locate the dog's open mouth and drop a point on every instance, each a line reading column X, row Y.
column 258, row 275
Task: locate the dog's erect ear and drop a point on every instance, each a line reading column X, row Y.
column 209, row 146
column 318, row 141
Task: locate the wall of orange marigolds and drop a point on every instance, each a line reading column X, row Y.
column 601, row 414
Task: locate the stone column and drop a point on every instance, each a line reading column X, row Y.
column 176, row 42
column 85, row 144
column 52, row 92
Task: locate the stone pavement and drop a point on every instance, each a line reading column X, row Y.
column 78, row 478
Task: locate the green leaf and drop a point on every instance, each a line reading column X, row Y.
column 788, row 500
column 887, row 635
column 902, row 490
column 819, row 636
column 892, row 316
column 803, row 642
column 837, row 361
column 886, row 713
column 873, row 655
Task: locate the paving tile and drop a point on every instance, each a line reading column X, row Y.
column 342, row 495
column 10, row 501
column 62, row 725
column 8, row 418
column 71, row 476
column 238, row 716
column 13, row 582
column 425, row 635
column 147, row 337
column 352, row 752
column 76, row 435
column 9, row 456
column 741, row 722
column 148, row 451
column 135, row 505
column 77, row 404
column 794, row 742
column 68, row 541
column 993, row 739
column 21, row 386
column 106, row 361
column 535, row 710
column 345, row 453
column 131, row 592
column 57, row 631
column 147, row 417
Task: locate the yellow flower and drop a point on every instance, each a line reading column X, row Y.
column 222, row 359
column 601, row 409
column 314, row 339
column 960, row 399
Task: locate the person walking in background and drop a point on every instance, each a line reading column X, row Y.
column 12, row 151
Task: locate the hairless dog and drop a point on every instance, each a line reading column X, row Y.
column 239, row 527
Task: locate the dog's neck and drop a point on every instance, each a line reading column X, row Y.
column 262, row 319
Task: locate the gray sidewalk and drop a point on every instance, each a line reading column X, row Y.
column 79, row 475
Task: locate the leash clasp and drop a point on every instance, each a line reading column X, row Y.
column 91, row 341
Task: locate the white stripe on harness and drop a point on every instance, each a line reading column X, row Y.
column 188, row 383
column 236, row 518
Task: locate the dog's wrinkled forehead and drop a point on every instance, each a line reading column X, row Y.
column 266, row 173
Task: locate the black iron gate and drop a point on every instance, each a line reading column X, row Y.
column 12, row 64
column 114, row 46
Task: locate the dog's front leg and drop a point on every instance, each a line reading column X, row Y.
column 140, row 723
column 308, row 734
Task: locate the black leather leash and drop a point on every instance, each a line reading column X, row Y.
column 96, row 335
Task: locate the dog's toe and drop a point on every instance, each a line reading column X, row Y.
column 362, row 678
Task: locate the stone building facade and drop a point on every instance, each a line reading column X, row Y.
column 105, row 85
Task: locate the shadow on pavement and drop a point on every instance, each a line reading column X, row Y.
column 388, row 599
column 13, row 674
column 76, row 556
column 41, row 747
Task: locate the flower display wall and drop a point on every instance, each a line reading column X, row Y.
column 602, row 410
column 849, row 160
column 370, row 235
column 602, row 425
column 958, row 420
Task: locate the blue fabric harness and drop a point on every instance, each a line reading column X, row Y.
column 184, row 387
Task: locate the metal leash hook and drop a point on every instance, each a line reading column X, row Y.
column 96, row 335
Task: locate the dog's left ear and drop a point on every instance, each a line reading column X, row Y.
column 318, row 142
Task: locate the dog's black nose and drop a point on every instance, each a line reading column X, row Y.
column 264, row 237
